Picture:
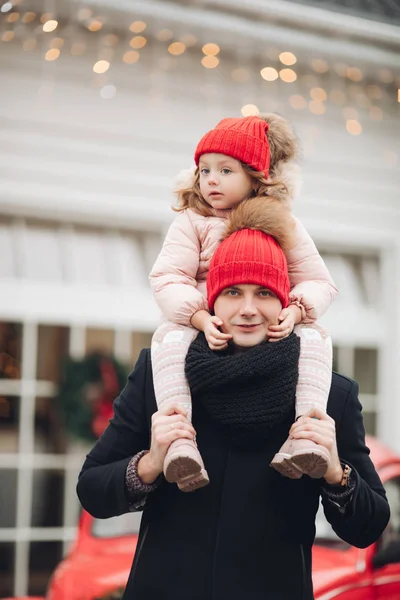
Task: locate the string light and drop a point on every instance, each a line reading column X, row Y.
column 57, row 42
column 84, row 14
column 287, row 75
column 287, row 58
column 353, row 127
column 269, row 74
column 176, row 48
column 13, row 17
column 164, row 35
column 137, row 26
column 211, row 49
column 7, row 6
column 7, row 36
column 298, row 102
column 131, row 57
column 108, row 91
column 354, row 74
column 319, row 65
column 249, row 110
column 110, row 39
column 101, row 66
column 46, row 17
column 210, row 62
column 52, row 54
column 317, row 108
column 318, row 94
column 138, row 42
column 50, row 25
column 95, row 25
column 28, row 17
column 189, row 40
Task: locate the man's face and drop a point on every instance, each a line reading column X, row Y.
column 247, row 311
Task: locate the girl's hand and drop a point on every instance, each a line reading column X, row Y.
column 319, row 427
column 168, row 424
column 288, row 318
column 215, row 338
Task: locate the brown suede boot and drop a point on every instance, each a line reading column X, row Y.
column 184, row 466
column 298, row 457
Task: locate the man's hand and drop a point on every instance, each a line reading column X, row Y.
column 320, row 428
column 288, row 318
column 168, row 424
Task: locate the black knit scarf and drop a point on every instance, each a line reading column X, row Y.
column 247, row 393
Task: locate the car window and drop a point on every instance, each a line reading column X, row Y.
column 123, row 525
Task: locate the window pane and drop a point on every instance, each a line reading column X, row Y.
column 43, row 558
column 8, row 498
column 7, row 566
column 99, row 340
column 335, row 366
column 47, row 498
column 52, row 347
column 10, row 350
column 9, row 418
column 370, row 422
column 140, row 340
column 366, row 369
column 49, row 428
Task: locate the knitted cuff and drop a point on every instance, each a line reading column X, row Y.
column 338, row 494
column 135, row 486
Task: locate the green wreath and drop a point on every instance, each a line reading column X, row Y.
column 87, row 390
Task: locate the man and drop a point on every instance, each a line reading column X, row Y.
column 250, row 532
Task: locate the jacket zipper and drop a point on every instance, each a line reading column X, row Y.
column 138, row 551
column 303, row 572
column 219, row 526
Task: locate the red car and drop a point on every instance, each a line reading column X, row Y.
column 98, row 565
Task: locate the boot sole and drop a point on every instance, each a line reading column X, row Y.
column 283, row 464
column 186, row 472
column 311, row 463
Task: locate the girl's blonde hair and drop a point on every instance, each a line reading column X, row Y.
column 282, row 178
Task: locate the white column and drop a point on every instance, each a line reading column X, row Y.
column 26, row 448
column 389, row 362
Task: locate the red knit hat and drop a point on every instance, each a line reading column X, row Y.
column 244, row 139
column 248, row 256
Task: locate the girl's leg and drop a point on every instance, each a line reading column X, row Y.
column 315, row 373
column 183, row 463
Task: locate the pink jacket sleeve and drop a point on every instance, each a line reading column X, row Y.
column 312, row 286
column 173, row 276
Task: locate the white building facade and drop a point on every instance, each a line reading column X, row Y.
column 87, row 166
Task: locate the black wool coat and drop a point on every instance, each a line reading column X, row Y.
column 247, row 535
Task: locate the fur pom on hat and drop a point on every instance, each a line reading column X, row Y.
column 252, row 251
column 263, row 214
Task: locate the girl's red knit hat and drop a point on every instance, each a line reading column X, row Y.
column 244, row 139
column 248, row 256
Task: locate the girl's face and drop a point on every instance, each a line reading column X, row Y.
column 223, row 181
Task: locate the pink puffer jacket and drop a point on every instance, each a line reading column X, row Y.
column 178, row 278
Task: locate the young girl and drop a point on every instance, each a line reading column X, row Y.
column 240, row 160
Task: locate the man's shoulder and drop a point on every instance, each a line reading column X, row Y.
column 341, row 389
